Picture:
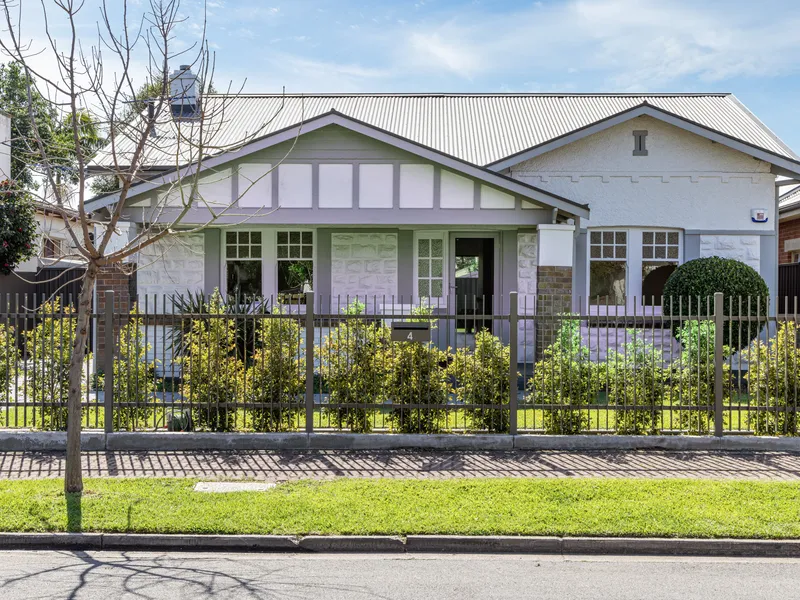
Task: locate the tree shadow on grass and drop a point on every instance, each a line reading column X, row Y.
column 74, row 513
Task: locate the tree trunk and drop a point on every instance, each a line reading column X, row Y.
column 73, row 476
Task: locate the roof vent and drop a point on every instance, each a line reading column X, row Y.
column 183, row 93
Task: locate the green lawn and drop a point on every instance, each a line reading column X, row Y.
column 593, row 507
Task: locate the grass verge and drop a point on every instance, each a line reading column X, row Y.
column 591, row 507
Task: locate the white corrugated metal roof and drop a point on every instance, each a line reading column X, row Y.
column 478, row 128
column 790, row 199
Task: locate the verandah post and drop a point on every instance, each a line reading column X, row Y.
column 513, row 331
column 719, row 324
column 309, row 362
column 108, row 362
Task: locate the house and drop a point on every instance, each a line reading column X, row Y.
column 592, row 197
column 789, row 227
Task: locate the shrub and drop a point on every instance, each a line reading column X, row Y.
column 636, row 378
column 17, row 226
column 482, row 378
column 418, row 376
column 690, row 289
column 9, row 357
column 134, row 377
column 212, row 371
column 49, row 347
column 693, row 379
column 567, row 379
column 353, row 367
column 277, row 376
column 774, row 379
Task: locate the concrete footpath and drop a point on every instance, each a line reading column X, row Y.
column 291, row 465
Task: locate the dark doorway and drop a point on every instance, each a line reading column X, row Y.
column 474, row 283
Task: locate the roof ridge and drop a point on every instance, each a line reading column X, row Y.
column 475, row 95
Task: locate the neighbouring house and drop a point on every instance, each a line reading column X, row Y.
column 789, row 227
column 592, row 197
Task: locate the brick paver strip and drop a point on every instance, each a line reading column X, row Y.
column 284, row 466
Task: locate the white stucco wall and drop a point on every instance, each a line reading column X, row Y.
column 744, row 248
column 364, row 264
column 685, row 181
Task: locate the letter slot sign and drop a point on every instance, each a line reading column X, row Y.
column 403, row 331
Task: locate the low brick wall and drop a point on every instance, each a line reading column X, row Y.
column 553, row 298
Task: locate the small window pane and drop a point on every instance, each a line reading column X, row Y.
column 436, row 288
column 283, row 252
column 661, row 252
column 647, row 237
column 255, row 251
column 673, row 237
column 647, row 252
column 230, row 252
column 308, row 251
column 608, row 237
column 622, row 252
column 294, row 251
column 621, row 237
column 661, row 237
column 595, row 251
column 424, row 287
column 230, row 237
column 424, row 268
column 437, row 248
column 255, row 237
column 608, row 251
column 283, row 237
column 672, row 252
column 244, row 252
column 595, row 237
column 436, row 268
column 244, row 237
column 308, row 237
column 294, row 237
column 424, row 247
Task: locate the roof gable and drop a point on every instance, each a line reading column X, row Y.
column 535, row 195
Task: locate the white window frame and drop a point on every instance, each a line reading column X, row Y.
column 633, row 264
column 223, row 286
column 275, row 258
column 431, row 235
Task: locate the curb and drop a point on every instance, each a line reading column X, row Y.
column 44, row 441
column 445, row 544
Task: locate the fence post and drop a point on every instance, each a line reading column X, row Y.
column 309, row 362
column 108, row 361
column 719, row 324
column 513, row 331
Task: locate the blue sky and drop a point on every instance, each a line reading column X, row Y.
column 749, row 48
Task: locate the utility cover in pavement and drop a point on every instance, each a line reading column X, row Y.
column 223, row 487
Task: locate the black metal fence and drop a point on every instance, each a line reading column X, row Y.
column 692, row 366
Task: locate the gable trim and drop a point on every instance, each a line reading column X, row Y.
column 780, row 163
column 483, row 174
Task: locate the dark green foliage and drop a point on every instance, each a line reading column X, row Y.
column 690, row 290
column 17, row 227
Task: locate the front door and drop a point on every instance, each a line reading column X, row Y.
column 472, row 281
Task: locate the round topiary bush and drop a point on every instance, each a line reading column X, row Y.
column 17, row 226
column 690, row 290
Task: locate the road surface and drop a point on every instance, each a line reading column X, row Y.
column 178, row 576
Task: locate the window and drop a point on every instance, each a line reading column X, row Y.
column 794, row 257
column 608, row 253
column 660, row 256
column 295, row 265
column 640, row 143
column 54, row 247
column 243, row 263
column 430, row 267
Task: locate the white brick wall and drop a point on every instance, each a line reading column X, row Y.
column 364, row 264
column 744, row 248
column 527, row 262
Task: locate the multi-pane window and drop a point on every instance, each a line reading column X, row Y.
column 430, row 267
column 608, row 253
column 660, row 256
column 295, row 264
column 243, row 262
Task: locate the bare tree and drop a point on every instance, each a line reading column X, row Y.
column 75, row 76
